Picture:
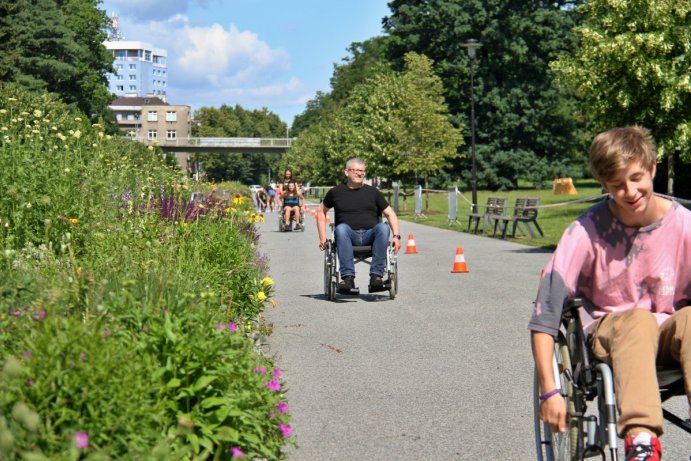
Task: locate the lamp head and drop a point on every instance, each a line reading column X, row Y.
column 472, row 45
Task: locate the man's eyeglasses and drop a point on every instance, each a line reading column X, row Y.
column 355, row 170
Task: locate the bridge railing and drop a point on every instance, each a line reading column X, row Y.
column 216, row 142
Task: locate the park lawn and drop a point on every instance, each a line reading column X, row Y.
column 552, row 220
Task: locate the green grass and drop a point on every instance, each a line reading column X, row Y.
column 552, row 220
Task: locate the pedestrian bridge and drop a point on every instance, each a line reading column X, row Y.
column 220, row 145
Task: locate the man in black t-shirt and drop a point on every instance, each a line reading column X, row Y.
column 358, row 208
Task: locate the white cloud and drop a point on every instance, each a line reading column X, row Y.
column 212, row 65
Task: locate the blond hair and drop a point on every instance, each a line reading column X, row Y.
column 615, row 149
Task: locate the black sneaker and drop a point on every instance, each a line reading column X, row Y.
column 376, row 281
column 347, row 284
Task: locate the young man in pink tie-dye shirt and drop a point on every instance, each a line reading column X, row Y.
column 629, row 258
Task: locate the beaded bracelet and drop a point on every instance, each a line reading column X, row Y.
column 544, row 397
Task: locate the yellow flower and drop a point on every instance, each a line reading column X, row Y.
column 77, row 134
column 267, row 281
column 37, row 113
column 261, row 296
column 237, row 201
column 28, row 205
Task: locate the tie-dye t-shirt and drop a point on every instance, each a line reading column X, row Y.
column 615, row 268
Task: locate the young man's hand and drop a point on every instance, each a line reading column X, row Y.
column 553, row 412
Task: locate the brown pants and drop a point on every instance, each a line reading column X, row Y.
column 632, row 344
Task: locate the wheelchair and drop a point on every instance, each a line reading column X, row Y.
column 293, row 225
column 584, row 382
column 360, row 254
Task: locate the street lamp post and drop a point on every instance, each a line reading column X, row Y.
column 472, row 45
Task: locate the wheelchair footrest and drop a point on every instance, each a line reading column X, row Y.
column 351, row 291
column 385, row 287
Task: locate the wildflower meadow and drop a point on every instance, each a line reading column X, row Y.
column 129, row 313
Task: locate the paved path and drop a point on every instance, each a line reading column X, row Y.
column 443, row 372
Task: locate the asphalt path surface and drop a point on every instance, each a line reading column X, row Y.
column 443, row 372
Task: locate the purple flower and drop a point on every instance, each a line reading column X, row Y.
column 30, row 382
column 282, row 407
column 237, row 453
column 81, row 439
column 232, row 326
column 274, row 385
column 286, row 430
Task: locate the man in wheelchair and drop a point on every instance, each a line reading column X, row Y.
column 629, row 258
column 358, row 208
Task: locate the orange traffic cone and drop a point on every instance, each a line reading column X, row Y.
column 411, row 248
column 459, row 264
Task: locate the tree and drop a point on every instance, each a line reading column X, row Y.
column 236, row 121
column 89, row 23
column 396, row 122
column 632, row 67
column 365, row 60
column 519, row 110
column 403, row 121
column 56, row 46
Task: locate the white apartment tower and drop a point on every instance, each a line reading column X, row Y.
column 140, row 69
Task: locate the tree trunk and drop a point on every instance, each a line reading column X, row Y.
column 427, row 193
column 670, row 173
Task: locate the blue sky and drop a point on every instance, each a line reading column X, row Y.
column 256, row 53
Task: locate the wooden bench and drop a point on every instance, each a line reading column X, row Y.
column 524, row 213
column 495, row 206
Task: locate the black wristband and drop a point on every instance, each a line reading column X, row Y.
column 396, row 236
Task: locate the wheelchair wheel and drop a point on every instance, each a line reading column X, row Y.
column 327, row 270
column 393, row 273
column 557, row 446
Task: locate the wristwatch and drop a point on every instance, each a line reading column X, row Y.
column 396, row 236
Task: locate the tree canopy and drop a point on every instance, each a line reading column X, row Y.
column 395, row 121
column 632, row 67
column 57, row 46
column 227, row 121
column 521, row 115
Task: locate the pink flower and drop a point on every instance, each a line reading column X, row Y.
column 282, row 407
column 277, row 372
column 106, row 332
column 286, row 430
column 232, row 326
column 237, row 453
column 17, row 313
column 40, row 315
column 26, row 354
column 30, row 382
column 81, row 439
column 220, row 326
column 260, row 370
column 274, row 385
column 82, row 356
